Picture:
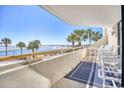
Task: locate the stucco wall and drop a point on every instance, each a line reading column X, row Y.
column 42, row 73
column 112, row 37
column 23, row 78
column 56, row 68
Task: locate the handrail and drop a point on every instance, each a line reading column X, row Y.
column 38, row 53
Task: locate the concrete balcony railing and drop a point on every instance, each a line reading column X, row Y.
column 37, row 55
column 43, row 73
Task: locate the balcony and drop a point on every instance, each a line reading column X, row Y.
column 98, row 65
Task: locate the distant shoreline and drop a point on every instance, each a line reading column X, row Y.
column 14, row 48
column 2, row 48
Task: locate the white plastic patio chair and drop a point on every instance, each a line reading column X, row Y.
column 109, row 63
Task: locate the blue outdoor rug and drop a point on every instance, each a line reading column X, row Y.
column 81, row 73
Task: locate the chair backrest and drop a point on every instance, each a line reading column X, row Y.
column 108, row 47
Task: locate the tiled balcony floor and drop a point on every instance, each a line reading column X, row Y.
column 67, row 83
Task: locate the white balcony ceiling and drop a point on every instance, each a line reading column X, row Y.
column 87, row 15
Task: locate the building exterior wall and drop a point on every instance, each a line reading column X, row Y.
column 113, row 37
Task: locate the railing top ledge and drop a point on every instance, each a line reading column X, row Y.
column 37, row 53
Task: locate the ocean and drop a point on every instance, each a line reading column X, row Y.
column 25, row 51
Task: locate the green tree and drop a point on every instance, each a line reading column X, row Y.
column 21, row 45
column 37, row 44
column 78, row 34
column 96, row 36
column 72, row 38
column 84, row 35
column 34, row 45
column 91, row 35
column 31, row 46
column 6, row 41
column 81, row 35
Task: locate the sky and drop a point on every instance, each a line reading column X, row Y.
column 27, row 23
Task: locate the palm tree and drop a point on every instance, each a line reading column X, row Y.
column 31, row 46
column 96, row 36
column 21, row 45
column 34, row 45
column 6, row 41
column 72, row 38
column 84, row 35
column 78, row 34
column 90, row 36
column 37, row 44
